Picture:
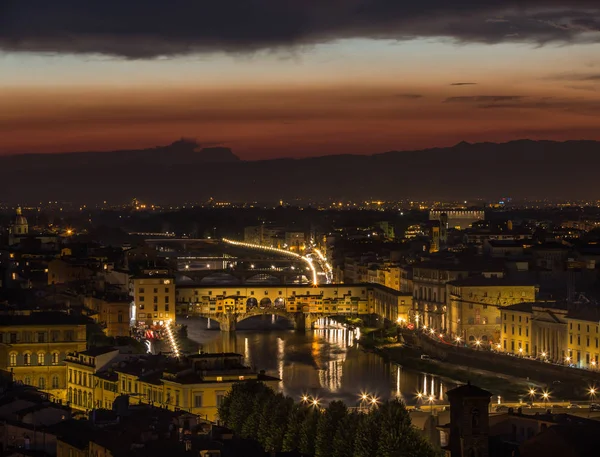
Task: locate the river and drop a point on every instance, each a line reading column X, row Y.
column 326, row 362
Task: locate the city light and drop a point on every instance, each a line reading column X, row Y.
column 172, row 340
column 307, row 260
column 432, row 331
column 568, row 359
column 477, row 343
column 544, row 354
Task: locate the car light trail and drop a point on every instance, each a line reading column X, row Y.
column 308, row 261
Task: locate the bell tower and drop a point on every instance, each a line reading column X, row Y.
column 469, row 422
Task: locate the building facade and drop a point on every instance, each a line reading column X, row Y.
column 153, row 299
column 474, row 306
column 34, row 348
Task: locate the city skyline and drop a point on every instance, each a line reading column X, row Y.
column 313, row 80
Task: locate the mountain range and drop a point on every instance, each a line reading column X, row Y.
column 184, row 172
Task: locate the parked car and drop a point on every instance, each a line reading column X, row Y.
column 573, row 406
column 416, row 409
column 594, row 407
column 425, row 357
column 501, row 408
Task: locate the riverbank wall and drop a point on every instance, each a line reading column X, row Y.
column 500, row 363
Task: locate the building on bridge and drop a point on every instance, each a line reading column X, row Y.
column 301, row 304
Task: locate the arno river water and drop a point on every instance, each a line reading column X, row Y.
column 324, row 362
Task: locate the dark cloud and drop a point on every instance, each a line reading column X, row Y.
column 157, row 28
column 409, row 96
column 484, row 99
column 578, row 106
column 463, row 84
column 577, row 77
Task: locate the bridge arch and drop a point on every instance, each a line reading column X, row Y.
column 263, row 278
column 266, row 303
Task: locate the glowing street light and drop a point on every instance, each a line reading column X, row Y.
column 305, row 398
column 458, row 340
column 568, row 359
column 431, row 400
column 532, row 393
column 432, row 331
column 520, row 351
column 545, row 396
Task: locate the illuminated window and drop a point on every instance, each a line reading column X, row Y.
column 41, row 358
column 219, row 378
column 55, row 358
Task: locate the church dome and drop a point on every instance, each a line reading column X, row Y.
column 20, row 219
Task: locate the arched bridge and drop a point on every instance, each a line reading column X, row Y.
column 301, row 304
column 228, row 321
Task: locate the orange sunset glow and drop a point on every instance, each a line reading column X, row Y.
column 356, row 95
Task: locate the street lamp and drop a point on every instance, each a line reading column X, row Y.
column 431, row 400
column 478, row 344
column 457, row 339
column 568, row 360
column 545, row 396
column 521, row 351
column 592, row 393
column 432, row 331
column 532, row 393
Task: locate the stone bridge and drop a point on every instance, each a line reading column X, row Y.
column 301, row 320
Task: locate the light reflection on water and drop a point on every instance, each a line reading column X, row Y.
column 325, row 362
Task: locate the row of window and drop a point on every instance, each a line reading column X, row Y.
column 80, row 398
column 520, row 318
column 579, row 340
column 80, row 377
column 142, row 290
column 142, row 307
column 519, row 330
column 579, row 327
column 225, row 293
column 41, row 382
column 27, row 359
column 36, row 337
column 142, row 299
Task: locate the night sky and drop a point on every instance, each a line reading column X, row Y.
column 295, row 78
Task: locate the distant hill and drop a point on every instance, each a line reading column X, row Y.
column 183, row 172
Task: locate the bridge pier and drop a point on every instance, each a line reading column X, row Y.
column 227, row 323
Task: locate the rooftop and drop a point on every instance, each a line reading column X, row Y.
column 42, row 318
column 483, row 281
column 468, row 390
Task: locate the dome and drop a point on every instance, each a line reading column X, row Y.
column 20, row 219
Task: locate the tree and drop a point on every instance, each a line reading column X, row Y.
column 367, row 434
column 277, row 428
column 308, row 432
column 345, row 436
column 327, row 428
column 398, row 436
column 295, row 420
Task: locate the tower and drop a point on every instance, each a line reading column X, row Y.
column 443, row 230
column 469, row 422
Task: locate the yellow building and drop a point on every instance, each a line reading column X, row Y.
column 196, row 384
column 516, row 330
column 536, row 330
column 153, row 299
column 84, row 390
column 473, row 305
column 111, row 315
column 34, row 347
column 583, row 341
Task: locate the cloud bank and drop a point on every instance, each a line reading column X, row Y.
column 142, row 29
